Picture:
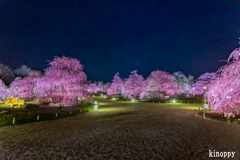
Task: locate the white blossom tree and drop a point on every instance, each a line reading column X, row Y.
column 182, row 81
column 22, row 71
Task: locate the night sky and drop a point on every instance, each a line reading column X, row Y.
column 120, row 36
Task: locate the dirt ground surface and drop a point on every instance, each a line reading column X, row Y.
column 122, row 130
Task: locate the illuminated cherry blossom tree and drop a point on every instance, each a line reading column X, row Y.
column 116, row 86
column 100, row 86
column 27, row 85
column 106, row 86
column 134, row 85
column 182, row 81
column 191, row 81
column 64, row 80
column 160, row 84
column 203, row 83
column 224, row 93
column 3, row 90
column 92, row 88
column 13, row 89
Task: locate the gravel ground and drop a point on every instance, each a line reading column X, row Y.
column 122, row 130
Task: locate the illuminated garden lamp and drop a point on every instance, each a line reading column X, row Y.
column 95, row 102
column 113, row 98
column 95, row 107
column 174, row 101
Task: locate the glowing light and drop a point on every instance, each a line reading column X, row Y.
column 113, row 98
column 193, row 88
column 133, row 100
column 93, row 95
column 95, row 107
column 231, row 89
column 228, row 97
column 187, row 95
column 174, row 101
column 95, row 102
column 79, row 98
column 83, row 97
column 205, row 87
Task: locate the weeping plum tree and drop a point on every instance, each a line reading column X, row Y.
column 160, row 84
column 224, row 93
column 116, row 86
column 63, row 81
column 134, row 85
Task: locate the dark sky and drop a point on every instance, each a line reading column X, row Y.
column 120, row 36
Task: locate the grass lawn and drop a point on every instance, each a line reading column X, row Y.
column 28, row 114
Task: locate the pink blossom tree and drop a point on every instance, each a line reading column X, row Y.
column 25, row 87
column 116, row 86
column 3, row 90
column 224, row 93
column 64, row 80
column 134, row 85
column 161, row 84
column 203, row 83
column 92, row 88
column 100, row 87
column 106, row 86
